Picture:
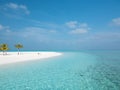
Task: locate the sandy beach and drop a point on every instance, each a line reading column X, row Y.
column 13, row 57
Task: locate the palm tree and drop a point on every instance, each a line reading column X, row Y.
column 18, row 46
column 4, row 47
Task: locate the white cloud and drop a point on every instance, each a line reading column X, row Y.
column 53, row 31
column 4, row 27
column 116, row 21
column 83, row 25
column 1, row 27
column 36, row 32
column 79, row 31
column 12, row 5
column 17, row 7
column 77, row 28
column 72, row 24
column 104, row 37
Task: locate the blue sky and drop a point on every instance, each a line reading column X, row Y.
column 60, row 24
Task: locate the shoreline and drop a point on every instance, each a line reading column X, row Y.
column 13, row 57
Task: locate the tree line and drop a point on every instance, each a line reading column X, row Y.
column 4, row 47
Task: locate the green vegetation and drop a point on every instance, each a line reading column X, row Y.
column 18, row 46
column 4, row 48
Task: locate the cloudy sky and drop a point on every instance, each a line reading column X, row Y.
column 60, row 24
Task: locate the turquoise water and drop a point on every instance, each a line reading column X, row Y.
column 85, row 70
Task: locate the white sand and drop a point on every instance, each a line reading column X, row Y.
column 13, row 57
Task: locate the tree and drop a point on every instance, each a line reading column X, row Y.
column 4, row 47
column 18, row 46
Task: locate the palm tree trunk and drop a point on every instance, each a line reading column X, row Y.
column 18, row 51
column 3, row 52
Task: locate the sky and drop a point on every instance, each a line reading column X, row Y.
column 60, row 24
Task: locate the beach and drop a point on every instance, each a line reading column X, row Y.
column 13, row 57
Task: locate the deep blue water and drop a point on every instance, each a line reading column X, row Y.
column 85, row 70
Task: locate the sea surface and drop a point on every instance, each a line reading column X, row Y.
column 83, row 70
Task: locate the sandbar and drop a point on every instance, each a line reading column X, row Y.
column 13, row 57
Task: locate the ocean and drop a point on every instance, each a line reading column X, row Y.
column 81, row 70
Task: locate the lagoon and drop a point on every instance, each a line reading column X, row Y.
column 83, row 70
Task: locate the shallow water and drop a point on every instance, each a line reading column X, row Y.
column 88, row 70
